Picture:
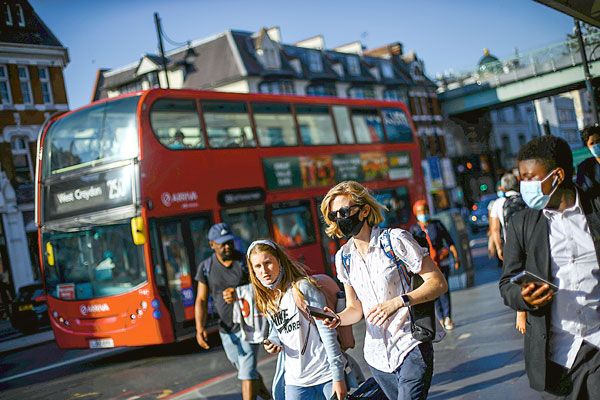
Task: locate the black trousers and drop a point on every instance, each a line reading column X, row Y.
column 582, row 381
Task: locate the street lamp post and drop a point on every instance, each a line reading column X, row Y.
column 586, row 70
column 162, row 51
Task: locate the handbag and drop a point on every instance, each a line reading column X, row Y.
column 422, row 316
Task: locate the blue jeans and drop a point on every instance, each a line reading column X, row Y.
column 412, row 379
column 241, row 354
column 442, row 303
column 317, row 392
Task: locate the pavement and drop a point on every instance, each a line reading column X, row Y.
column 11, row 340
column 482, row 358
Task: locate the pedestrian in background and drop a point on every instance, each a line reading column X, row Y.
column 503, row 209
column 313, row 360
column 218, row 276
column 555, row 239
column 440, row 245
column 588, row 171
column 401, row 365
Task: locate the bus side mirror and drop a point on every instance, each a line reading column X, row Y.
column 50, row 253
column 138, row 231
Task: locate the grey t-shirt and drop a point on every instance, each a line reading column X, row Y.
column 220, row 278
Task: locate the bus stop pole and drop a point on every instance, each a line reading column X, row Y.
column 162, row 51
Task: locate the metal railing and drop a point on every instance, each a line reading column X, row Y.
column 521, row 66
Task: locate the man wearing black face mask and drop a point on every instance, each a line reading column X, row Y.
column 556, row 239
column 400, row 364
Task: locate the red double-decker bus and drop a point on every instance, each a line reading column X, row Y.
column 127, row 189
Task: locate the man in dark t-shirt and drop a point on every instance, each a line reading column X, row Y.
column 219, row 275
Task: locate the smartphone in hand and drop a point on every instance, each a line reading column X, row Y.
column 319, row 313
column 526, row 277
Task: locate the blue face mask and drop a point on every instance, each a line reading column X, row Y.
column 500, row 193
column 532, row 194
column 423, row 217
column 595, row 150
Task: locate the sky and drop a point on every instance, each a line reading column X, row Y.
column 444, row 34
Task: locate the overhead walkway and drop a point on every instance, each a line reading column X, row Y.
column 540, row 73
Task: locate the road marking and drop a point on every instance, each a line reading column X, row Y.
column 217, row 379
column 464, row 336
column 67, row 362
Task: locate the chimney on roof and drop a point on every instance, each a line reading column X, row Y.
column 396, row 49
column 274, row 34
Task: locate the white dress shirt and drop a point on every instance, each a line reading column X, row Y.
column 376, row 281
column 575, row 316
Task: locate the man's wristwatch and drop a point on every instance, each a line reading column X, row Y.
column 406, row 300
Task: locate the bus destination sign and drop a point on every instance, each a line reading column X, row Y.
column 89, row 193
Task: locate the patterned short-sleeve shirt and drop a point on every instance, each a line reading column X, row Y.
column 376, row 281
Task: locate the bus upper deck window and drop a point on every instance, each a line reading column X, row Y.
column 316, row 127
column 98, row 134
column 342, row 122
column 176, row 124
column 274, row 125
column 367, row 125
column 228, row 124
column 397, row 126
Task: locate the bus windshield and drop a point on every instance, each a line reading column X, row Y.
column 98, row 134
column 101, row 261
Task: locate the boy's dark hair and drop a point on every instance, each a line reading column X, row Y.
column 589, row 131
column 551, row 151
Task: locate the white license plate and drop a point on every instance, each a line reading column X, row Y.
column 101, row 343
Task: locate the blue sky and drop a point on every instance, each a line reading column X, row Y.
column 444, row 34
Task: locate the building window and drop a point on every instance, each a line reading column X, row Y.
column 131, row 87
column 506, row 145
column 5, row 95
column 25, row 85
column 566, row 115
column 152, row 79
column 45, row 82
column 324, row 89
column 271, row 59
column 8, row 15
column 361, row 92
column 387, row 70
column 500, row 115
column 517, row 114
column 353, row 66
column 20, row 16
column 522, row 140
column 277, row 87
column 315, row 63
column 21, row 160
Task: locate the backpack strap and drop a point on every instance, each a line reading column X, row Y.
column 386, row 245
column 346, row 262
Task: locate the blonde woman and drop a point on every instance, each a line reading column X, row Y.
column 313, row 360
column 400, row 364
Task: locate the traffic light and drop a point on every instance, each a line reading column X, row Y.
column 483, row 187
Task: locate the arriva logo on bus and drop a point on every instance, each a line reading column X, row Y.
column 168, row 199
column 85, row 309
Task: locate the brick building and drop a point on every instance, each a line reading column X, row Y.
column 32, row 88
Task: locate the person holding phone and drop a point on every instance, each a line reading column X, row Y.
column 401, row 365
column 313, row 360
column 555, row 240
